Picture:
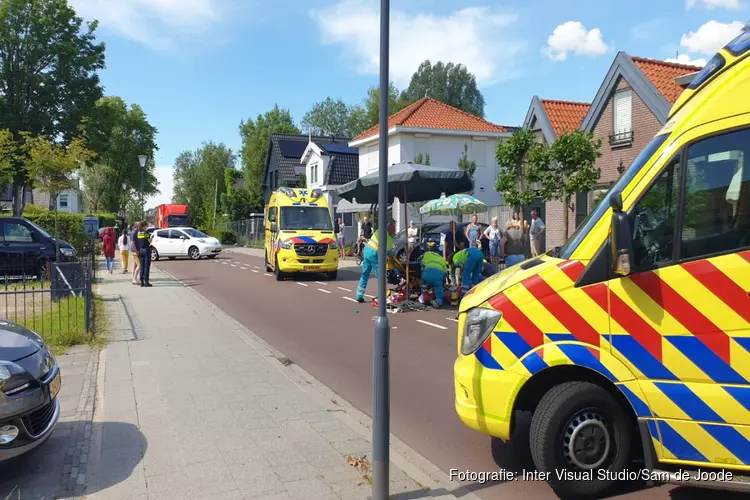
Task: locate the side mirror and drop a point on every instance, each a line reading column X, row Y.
column 622, row 239
column 183, row 238
column 274, row 227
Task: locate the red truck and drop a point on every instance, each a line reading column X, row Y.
column 170, row 215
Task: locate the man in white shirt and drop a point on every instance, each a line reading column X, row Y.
column 412, row 233
column 536, row 233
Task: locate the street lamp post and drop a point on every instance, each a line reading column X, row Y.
column 142, row 160
column 123, row 207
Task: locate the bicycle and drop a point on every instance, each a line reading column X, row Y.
column 357, row 249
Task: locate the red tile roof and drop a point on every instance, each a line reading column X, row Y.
column 662, row 75
column 432, row 114
column 565, row 116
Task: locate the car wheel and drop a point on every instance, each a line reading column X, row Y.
column 154, row 254
column 194, row 253
column 400, row 256
column 578, row 426
column 333, row 275
column 279, row 274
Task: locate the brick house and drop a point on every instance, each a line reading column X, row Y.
column 549, row 119
column 630, row 107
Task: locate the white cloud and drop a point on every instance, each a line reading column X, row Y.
column 573, row 37
column 713, row 4
column 166, row 185
column 160, row 24
column 711, row 37
column 475, row 36
column 686, row 59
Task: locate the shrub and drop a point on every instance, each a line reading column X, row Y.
column 226, row 237
column 69, row 226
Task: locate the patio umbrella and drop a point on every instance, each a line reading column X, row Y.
column 456, row 204
column 410, row 183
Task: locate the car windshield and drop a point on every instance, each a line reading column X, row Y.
column 305, row 218
column 590, row 221
column 44, row 233
column 177, row 220
column 194, row 233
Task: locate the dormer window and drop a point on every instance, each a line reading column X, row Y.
column 622, row 123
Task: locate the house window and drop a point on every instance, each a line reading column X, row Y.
column 581, row 207
column 622, row 132
column 63, row 201
column 314, row 173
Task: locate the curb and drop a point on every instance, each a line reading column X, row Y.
column 413, row 464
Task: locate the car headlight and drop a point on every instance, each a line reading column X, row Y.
column 201, row 240
column 478, row 326
column 333, row 245
column 68, row 252
column 285, row 245
column 13, row 378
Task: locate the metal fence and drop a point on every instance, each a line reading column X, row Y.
column 54, row 299
column 249, row 232
column 502, row 212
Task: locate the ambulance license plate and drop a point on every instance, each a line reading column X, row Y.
column 54, row 386
column 309, row 268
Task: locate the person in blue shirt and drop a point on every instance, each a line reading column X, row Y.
column 434, row 269
column 470, row 261
column 370, row 259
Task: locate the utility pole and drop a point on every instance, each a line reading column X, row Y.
column 216, row 201
column 381, row 415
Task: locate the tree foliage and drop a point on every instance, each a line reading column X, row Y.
column 570, row 169
column 235, row 201
column 51, row 164
column 330, row 117
column 255, row 136
column 520, row 159
column 449, row 83
column 48, row 75
column 96, row 180
column 199, row 178
column 465, row 164
column 367, row 114
column 8, row 153
column 118, row 134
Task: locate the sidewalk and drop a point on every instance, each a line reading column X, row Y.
column 193, row 405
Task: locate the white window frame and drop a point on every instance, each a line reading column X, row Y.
column 63, row 200
column 618, row 122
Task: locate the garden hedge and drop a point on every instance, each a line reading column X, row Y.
column 69, row 226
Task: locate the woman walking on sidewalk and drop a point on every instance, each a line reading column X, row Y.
column 134, row 252
column 108, row 248
column 123, row 244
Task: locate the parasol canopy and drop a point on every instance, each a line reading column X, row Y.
column 456, row 204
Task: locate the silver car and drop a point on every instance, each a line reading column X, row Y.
column 29, row 384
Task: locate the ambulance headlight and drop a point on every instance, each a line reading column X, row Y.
column 333, row 245
column 285, row 245
column 478, row 326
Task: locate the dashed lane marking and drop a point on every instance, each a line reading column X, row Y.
column 267, row 274
column 349, row 299
column 431, row 324
column 452, row 319
column 244, row 268
column 370, row 296
column 232, row 265
column 321, row 283
column 323, row 290
column 344, row 289
column 255, row 270
column 302, row 284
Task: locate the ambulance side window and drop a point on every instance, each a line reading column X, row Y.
column 272, row 214
column 717, row 196
column 653, row 219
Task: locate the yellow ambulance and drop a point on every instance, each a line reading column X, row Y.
column 630, row 344
column 299, row 234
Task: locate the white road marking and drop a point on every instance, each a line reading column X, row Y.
column 349, row 299
column 256, row 267
column 254, row 270
column 302, row 284
column 370, row 296
column 431, row 324
column 321, row 283
column 323, row 290
column 452, row 319
column 232, row 265
column 267, row 274
column 223, row 262
column 344, row 289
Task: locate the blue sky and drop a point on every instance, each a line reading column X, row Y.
column 199, row 67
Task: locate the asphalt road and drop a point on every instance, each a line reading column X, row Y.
column 319, row 327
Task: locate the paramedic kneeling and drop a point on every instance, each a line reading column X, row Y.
column 434, row 270
column 370, row 259
column 470, row 261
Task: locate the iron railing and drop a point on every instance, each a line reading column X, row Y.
column 55, row 299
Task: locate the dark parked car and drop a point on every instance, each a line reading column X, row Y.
column 434, row 236
column 29, row 384
column 399, row 241
column 26, row 249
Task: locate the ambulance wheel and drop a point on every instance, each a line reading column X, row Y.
column 333, row 275
column 578, row 427
column 277, row 271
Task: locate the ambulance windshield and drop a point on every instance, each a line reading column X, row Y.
column 305, row 218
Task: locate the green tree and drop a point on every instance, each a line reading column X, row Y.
column 95, row 178
column 449, row 83
column 8, row 153
column 329, row 117
column 48, row 75
column 520, row 158
column 199, row 180
column 235, row 201
column 118, row 134
column 255, row 136
column 570, row 169
column 467, row 165
column 367, row 114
